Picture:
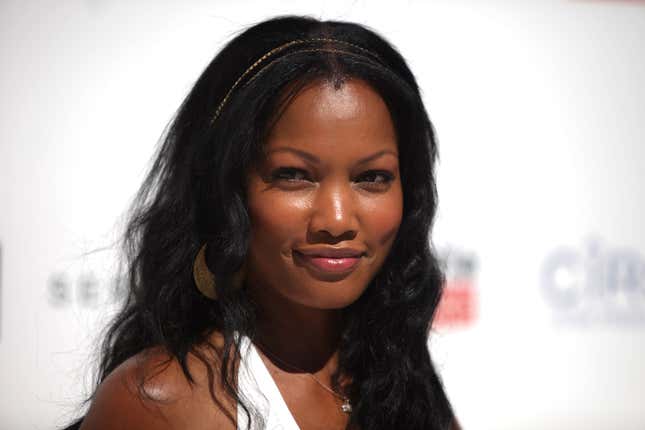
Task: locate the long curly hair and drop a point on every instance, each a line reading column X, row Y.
column 194, row 193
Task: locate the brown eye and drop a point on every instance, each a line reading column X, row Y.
column 289, row 174
column 376, row 178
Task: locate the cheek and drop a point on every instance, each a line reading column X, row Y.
column 382, row 218
column 276, row 221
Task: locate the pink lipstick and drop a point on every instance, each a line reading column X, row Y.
column 330, row 260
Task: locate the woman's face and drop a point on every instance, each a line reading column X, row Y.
column 326, row 203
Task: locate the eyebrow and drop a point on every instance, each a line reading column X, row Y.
column 312, row 158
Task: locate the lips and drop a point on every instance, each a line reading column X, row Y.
column 330, row 260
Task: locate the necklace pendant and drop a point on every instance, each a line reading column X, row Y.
column 346, row 406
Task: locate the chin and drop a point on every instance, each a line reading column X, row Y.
column 330, row 296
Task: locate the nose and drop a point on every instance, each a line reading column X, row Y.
column 334, row 212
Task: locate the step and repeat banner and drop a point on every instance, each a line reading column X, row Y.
column 539, row 109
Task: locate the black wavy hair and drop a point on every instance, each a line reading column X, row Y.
column 194, row 194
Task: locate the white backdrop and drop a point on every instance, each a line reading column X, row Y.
column 540, row 112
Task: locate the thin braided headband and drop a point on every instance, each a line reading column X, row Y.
column 280, row 48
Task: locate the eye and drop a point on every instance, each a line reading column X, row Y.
column 376, row 179
column 289, row 174
column 376, row 176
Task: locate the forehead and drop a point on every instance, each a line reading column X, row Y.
column 348, row 120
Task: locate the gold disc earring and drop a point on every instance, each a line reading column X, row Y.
column 205, row 279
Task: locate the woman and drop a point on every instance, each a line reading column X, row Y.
column 280, row 274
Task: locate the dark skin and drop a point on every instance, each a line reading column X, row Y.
column 331, row 178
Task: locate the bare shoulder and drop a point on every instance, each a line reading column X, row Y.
column 454, row 425
column 151, row 391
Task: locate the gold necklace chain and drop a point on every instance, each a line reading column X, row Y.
column 345, row 407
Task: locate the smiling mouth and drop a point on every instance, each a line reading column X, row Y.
column 328, row 265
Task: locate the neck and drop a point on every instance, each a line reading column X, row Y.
column 300, row 336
